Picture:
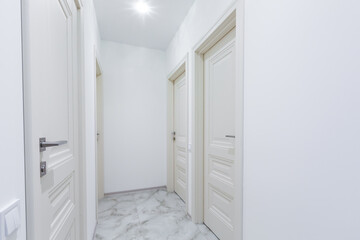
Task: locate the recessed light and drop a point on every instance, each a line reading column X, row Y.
column 142, row 7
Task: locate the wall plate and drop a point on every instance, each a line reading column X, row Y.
column 3, row 212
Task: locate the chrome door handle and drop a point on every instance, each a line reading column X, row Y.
column 44, row 144
column 230, row 136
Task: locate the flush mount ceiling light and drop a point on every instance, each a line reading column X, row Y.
column 142, row 7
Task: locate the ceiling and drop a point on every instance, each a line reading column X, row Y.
column 119, row 22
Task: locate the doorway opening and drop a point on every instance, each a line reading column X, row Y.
column 99, row 126
column 177, row 132
column 217, row 142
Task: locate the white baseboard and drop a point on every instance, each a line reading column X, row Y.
column 135, row 190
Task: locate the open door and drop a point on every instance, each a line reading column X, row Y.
column 100, row 135
column 50, row 98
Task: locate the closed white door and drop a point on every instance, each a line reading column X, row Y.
column 50, row 70
column 100, row 137
column 219, row 137
column 180, row 136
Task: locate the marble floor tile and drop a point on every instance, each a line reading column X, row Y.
column 147, row 215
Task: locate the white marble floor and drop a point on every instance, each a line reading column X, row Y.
column 147, row 215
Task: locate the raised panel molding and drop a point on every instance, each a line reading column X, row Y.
column 66, row 8
column 215, row 209
column 62, row 201
column 221, row 168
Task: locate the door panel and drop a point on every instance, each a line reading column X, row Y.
column 100, row 137
column 219, row 142
column 50, row 30
column 180, row 128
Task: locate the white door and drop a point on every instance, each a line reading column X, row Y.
column 180, row 136
column 100, row 137
column 219, row 139
column 50, row 69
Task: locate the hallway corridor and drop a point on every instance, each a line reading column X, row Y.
column 151, row 214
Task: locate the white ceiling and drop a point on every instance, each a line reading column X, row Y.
column 119, row 22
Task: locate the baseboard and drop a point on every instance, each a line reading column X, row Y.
column 135, row 190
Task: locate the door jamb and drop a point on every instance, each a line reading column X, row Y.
column 178, row 70
column 233, row 17
column 81, row 123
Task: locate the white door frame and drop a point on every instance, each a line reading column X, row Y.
column 81, row 122
column 233, row 17
column 178, row 70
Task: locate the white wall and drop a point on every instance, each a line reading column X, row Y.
column 202, row 16
column 12, row 183
column 302, row 120
column 91, row 45
column 135, row 86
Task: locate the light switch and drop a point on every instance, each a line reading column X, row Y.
column 9, row 224
column 12, row 221
column 16, row 215
column 9, row 219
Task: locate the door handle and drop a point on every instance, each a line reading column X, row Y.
column 44, row 144
column 230, row 136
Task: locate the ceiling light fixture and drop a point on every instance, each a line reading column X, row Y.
column 142, row 7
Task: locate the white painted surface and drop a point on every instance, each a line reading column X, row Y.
column 181, row 138
column 219, row 149
column 12, row 182
column 201, row 17
column 119, row 22
column 135, row 86
column 91, row 45
column 302, row 131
